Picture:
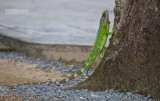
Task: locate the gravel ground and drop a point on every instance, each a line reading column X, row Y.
column 55, row 92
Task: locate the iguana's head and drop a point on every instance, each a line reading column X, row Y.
column 105, row 20
column 105, row 17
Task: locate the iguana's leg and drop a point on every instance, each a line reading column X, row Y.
column 110, row 33
column 101, row 55
column 88, row 65
column 90, row 60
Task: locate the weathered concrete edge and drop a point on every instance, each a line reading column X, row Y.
column 5, row 48
column 70, row 54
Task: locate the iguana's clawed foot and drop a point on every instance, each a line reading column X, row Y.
column 87, row 72
column 85, row 69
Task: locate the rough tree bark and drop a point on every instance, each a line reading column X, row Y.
column 132, row 60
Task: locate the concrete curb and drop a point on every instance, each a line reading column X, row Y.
column 5, row 48
column 70, row 54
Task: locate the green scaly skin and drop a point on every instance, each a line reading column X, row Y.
column 100, row 42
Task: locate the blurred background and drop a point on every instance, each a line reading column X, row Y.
column 72, row 22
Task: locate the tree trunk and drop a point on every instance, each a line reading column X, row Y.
column 132, row 60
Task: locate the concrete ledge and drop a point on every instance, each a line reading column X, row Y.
column 70, row 54
column 5, row 47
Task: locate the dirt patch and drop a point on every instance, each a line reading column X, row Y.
column 10, row 98
column 16, row 72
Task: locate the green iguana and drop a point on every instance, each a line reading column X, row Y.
column 99, row 44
